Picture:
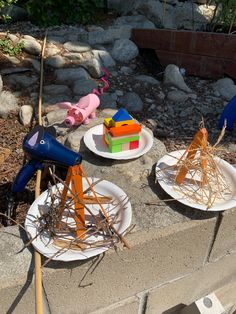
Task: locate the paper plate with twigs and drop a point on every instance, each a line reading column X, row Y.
column 100, row 234
column 216, row 192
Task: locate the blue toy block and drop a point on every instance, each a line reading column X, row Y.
column 121, row 115
column 229, row 114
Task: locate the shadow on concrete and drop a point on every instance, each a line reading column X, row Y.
column 189, row 212
column 175, row 309
column 30, row 273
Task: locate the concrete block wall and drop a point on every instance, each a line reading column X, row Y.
column 165, row 268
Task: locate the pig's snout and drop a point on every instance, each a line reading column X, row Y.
column 69, row 121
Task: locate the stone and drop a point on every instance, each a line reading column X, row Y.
column 13, row 38
column 135, row 21
column 31, row 45
column 52, row 50
column 77, row 46
column 109, row 35
column 126, row 70
column 35, row 63
column 21, row 81
column 124, row 50
column 71, row 75
column 105, row 58
column 26, row 114
column 54, row 89
column 84, row 87
column 73, row 56
column 57, row 116
column 147, row 79
column 55, row 62
column 173, row 77
column 94, row 68
column 107, row 101
column 131, row 102
column 51, row 100
column 8, row 103
column 177, row 96
column 225, row 87
column 13, row 60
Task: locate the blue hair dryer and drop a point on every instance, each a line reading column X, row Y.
column 40, row 147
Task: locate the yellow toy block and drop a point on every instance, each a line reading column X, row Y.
column 122, row 123
column 108, row 122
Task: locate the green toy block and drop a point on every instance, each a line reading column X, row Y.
column 115, row 148
column 123, row 140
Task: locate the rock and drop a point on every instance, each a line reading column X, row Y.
column 132, row 102
column 119, row 92
column 54, row 89
column 8, row 102
column 73, row 56
column 71, row 75
column 107, row 101
column 109, row 35
column 173, row 77
column 55, row 61
column 52, row 50
column 135, row 21
column 31, row 45
column 21, row 81
column 77, row 46
column 124, row 50
column 94, row 68
column 126, row 70
column 84, row 87
column 13, row 60
column 35, row 63
column 177, row 96
column 26, row 114
column 51, row 100
column 13, row 38
column 57, row 116
column 1, row 84
column 105, row 57
column 147, row 79
column 225, row 87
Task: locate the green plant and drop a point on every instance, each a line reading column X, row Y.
column 8, row 47
column 224, row 18
column 4, row 4
column 51, row 12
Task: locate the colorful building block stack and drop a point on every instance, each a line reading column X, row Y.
column 120, row 132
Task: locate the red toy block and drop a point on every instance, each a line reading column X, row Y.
column 134, row 144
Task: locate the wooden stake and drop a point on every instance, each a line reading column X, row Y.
column 199, row 142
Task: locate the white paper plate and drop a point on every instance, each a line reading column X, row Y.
column 44, row 244
column 166, row 179
column 94, row 141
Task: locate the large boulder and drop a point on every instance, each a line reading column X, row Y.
column 225, row 87
column 173, row 77
column 124, row 50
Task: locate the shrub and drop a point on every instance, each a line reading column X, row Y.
column 4, row 4
column 51, row 12
column 7, row 46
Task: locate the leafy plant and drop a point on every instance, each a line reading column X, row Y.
column 8, row 47
column 51, row 12
column 224, row 18
column 4, row 4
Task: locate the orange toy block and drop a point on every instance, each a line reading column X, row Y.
column 199, row 142
column 125, row 130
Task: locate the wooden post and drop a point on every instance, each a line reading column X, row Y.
column 199, row 142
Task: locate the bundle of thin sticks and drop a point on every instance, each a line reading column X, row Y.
column 99, row 231
column 197, row 175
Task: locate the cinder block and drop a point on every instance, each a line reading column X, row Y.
column 156, row 256
column 130, row 306
column 175, row 295
column 225, row 241
column 18, row 299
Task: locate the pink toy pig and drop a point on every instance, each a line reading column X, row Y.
column 85, row 109
column 81, row 112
